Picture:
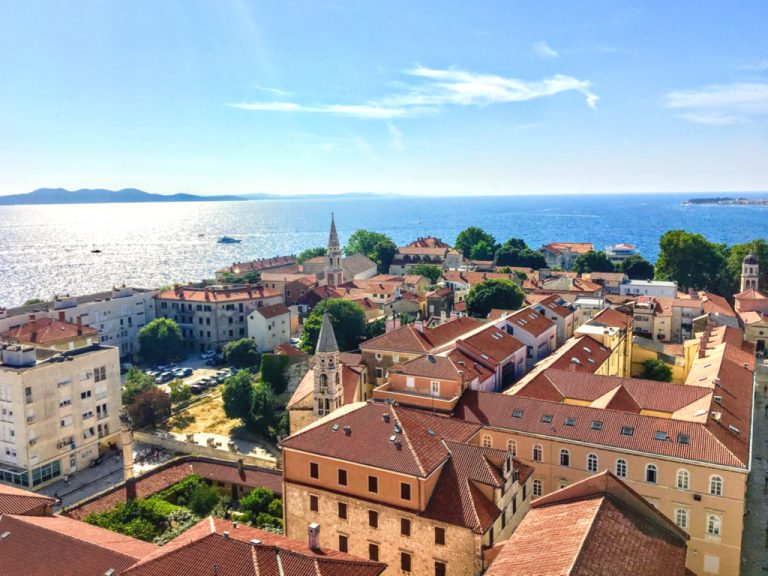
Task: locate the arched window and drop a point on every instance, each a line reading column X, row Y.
column 716, row 485
column 714, row 524
column 682, row 479
column 565, row 457
column 592, row 463
column 512, row 447
column 487, row 441
column 323, row 382
column 621, row 468
column 651, row 473
column 681, row 518
column 537, row 488
column 538, row 453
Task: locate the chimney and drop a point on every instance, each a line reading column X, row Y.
column 61, row 316
column 79, row 325
column 313, row 534
column 419, row 326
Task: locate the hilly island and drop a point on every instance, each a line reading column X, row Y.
column 101, row 196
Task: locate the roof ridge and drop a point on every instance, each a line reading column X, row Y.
column 408, row 441
column 587, row 534
column 472, row 501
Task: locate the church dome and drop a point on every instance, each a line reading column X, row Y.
column 751, row 259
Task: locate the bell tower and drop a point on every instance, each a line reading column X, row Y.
column 329, row 393
column 334, row 274
column 750, row 268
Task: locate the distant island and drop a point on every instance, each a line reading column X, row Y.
column 131, row 195
column 725, row 201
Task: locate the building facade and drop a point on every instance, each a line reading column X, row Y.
column 270, row 326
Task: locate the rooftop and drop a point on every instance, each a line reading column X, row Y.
column 217, row 294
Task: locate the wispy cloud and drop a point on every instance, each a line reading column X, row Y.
column 761, row 66
column 544, row 50
column 722, row 104
column 431, row 90
column 395, row 138
column 272, row 90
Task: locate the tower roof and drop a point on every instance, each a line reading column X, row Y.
column 751, row 259
column 326, row 341
column 333, row 238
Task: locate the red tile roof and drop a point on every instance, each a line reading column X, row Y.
column 273, row 311
column 491, row 344
column 48, row 331
column 530, row 321
column 217, row 295
column 613, row 318
column 17, row 501
column 428, row 242
column 262, row 264
column 46, row 545
column 577, row 247
column 410, row 340
column 216, row 546
column 596, row 526
column 368, row 442
column 288, row 350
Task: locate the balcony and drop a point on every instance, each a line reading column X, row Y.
column 386, row 391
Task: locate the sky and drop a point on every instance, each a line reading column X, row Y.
column 407, row 97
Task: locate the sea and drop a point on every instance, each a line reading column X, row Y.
column 48, row 250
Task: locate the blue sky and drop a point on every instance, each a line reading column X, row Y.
column 408, row 97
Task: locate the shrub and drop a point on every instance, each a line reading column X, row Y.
column 203, row 499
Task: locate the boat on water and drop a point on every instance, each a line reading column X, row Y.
column 95, row 251
column 228, row 240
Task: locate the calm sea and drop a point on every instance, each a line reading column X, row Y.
column 46, row 250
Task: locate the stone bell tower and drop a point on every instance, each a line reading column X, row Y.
column 334, row 274
column 329, row 393
column 750, row 269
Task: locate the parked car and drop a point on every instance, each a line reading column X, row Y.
column 186, row 372
column 195, row 389
column 98, row 460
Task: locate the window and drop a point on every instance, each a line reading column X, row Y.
column 525, row 492
column 314, row 470
column 714, row 524
column 592, row 463
column 435, row 387
column 651, row 473
column 378, row 356
column 570, row 421
column 343, row 543
column 627, row 431
column 439, row 536
column 373, row 484
column 100, row 373
column 547, row 418
column 440, row 568
column 405, row 561
column 373, row 519
column 683, row 439
column 711, row 564
column 537, row 453
column 517, row 413
column 487, row 441
column 373, row 551
column 565, row 457
column 514, row 504
column 85, row 394
column 405, row 527
column 661, row 435
column 681, row 518
column 512, row 447
column 537, row 488
column 621, row 468
column 342, row 477
column 596, row 425
column 682, row 479
column 343, row 510
column 405, row 491
column 716, row 486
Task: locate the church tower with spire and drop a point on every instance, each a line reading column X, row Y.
column 334, row 274
column 328, row 393
column 750, row 268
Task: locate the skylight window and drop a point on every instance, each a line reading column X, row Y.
column 335, row 427
column 627, row 431
column 517, row 413
column 661, row 435
column 597, row 425
column 546, row 418
column 683, row 439
column 570, row 421
column 700, row 412
column 587, row 350
column 733, row 429
column 591, row 360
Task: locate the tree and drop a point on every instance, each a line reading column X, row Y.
column 517, row 243
column 489, row 294
column 237, row 397
column 657, row 370
column 347, row 319
column 430, row 271
column 258, row 501
column 508, row 255
column 637, row 268
column 263, row 410
column 251, row 277
column 161, row 341
column 483, row 250
column 735, row 258
column 472, row 239
column 593, row 262
column 310, row 253
column 274, row 370
column 692, row 261
column 136, row 382
column 376, row 328
column 203, row 499
column 150, row 408
column 32, row 301
column 180, row 392
column 378, row 247
column 243, row 353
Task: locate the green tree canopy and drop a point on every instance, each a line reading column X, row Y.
column 310, row 253
column 692, row 261
column 475, row 242
column 735, row 258
column 508, row 255
column 32, row 301
column 203, row 499
column 593, row 262
column 274, row 369
column 251, row 277
column 637, row 268
column 243, row 353
column 180, row 392
column 430, row 271
column 347, row 319
column 489, row 294
column 237, row 396
column 150, row 408
column 263, row 417
column 136, row 382
column 161, row 341
column 517, row 243
column 378, row 247
column 657, row 370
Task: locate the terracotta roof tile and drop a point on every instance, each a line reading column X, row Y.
column 217, row 295
column 22, row 502
column 48, row 331
column 530, row 321
column 273, row 311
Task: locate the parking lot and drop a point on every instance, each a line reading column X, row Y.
column 193, row 371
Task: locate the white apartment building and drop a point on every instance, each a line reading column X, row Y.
column 56, row 408
column 117, row 314
column 654, row 288
column 270, row 326
column 536, row 331
column 617, row 253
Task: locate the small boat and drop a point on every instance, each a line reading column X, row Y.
column 95, row 251
column 228, row 240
